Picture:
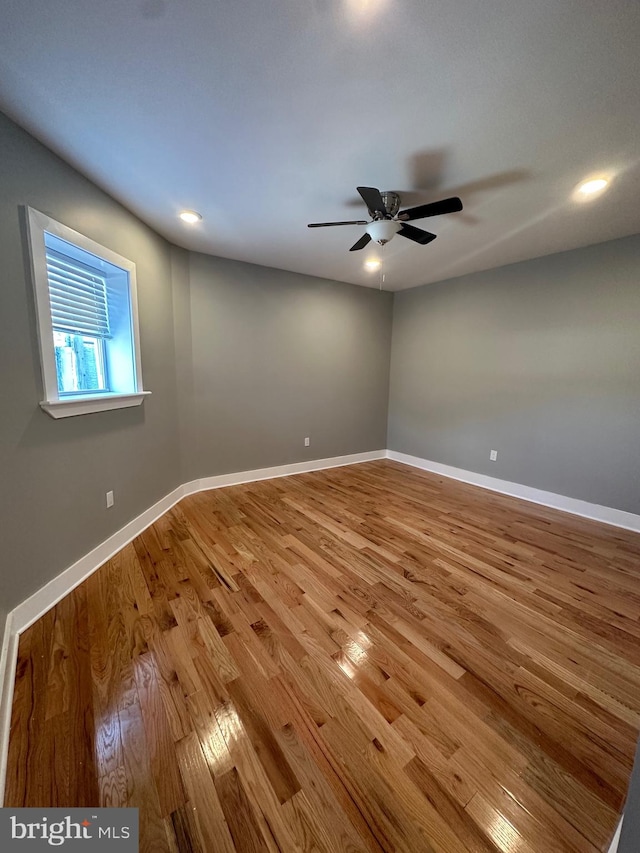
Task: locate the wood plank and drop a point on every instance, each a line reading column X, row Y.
column 368, row 658
column 212, row 829
column 162, row 754
column 239, row 813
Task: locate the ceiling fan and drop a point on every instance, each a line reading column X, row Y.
column 387, row 219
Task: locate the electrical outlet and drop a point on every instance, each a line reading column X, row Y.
column 493, row 455
column 306, row 442
column 109, row 499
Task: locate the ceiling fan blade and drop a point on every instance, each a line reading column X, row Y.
column 417, row 234
column 362, row 242
column 372, row 198
column 327, row 224
column 435, row 208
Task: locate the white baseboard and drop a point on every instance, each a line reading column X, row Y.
column 223, row 480
column 595, row 512
column 26, row 613
column 8, row 661
column 616, row 839
column 30, row 610
column 50, row 594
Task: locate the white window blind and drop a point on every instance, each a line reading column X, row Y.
column 78, row 296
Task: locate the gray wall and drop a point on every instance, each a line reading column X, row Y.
column 539, row 361
column 630, row 835
column 242, row 361
column 276, row 357
column 183, row 356
column 55, row 474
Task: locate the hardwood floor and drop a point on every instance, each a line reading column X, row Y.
column 369, row 658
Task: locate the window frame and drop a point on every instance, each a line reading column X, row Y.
column 64, row 404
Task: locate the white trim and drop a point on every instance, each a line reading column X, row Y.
column 30, row 610
column 8, row 662
column 223, row 480
column 67, row 407
column 58, row 407
column 616, row 838
column 48, row 596
column 606, row 514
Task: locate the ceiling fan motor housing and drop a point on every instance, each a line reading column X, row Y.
column 391, row 202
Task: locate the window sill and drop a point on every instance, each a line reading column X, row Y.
column 71, row 406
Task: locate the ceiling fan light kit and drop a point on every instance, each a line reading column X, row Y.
column 382, row 230
column 387, row 219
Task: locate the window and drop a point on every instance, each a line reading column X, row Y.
column 87, row 321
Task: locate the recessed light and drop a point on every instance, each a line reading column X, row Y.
column 190, row 216
column 372, row 265
column 593, row 186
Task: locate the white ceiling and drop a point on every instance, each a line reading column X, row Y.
column 266, row 114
